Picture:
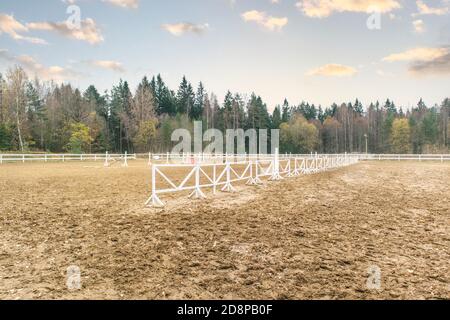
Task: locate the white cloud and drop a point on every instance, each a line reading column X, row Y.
column 424, row 9
column 179, row 29
column 88, row 31
column 324, row 8
column 417, row 54
column 33, row 67
column 438, row 66
column 424, row 61
column 333, row 70
column 108, row 64
column 419, row 26
column 383, row 73
column 13, row 28
column 261, row 18
column 130, row 4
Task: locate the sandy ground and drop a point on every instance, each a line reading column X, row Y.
column 311, row 237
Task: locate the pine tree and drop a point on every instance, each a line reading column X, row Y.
column 238, row 111
column 258, row 116
column 320, row 114
column 165, row 100
column 207, row 112
column 358, row 108
column 430, row 127
column 120, row 116
column 276, row 118
column 390, row 107
column 217, row 120
column 197, row 110
column 421, row 107
column 185, row 98
column 96, row 102
column 286, row 114
column 36, row 112
column 227, row 111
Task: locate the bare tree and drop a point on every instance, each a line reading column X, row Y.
column 17, row 80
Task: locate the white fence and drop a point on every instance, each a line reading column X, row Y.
column 189, row 158
column 406, row 157
column 192, row 158
column 49, row 157
column 222, row 175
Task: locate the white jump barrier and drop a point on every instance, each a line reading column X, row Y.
column 227, row 176
column 255, row 168
column 253, row 180
column 197, row 193
column 154, row 201
column 109, row 159
column 227, row 186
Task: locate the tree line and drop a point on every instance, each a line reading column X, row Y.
column 37, row 116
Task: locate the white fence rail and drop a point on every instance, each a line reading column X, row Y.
column 222, row 175
column 406, row 157
column 190, row 158
column 49, row 157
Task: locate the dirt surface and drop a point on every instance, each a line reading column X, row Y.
column 310, row 237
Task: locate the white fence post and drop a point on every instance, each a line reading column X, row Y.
column 125, row 161
column 296, row 173
column 106, row 164
column 276, row 167
column 316, row 162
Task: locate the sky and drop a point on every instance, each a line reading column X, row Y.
column 320, row 51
